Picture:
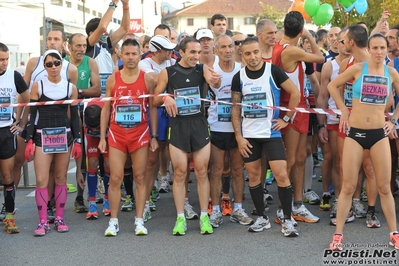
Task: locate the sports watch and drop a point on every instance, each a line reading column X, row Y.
column 112, row 5
column 286, row 119
column 393, row 121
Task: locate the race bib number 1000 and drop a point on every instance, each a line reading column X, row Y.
column 54, row 140
column 258, row 105
column 190, row 103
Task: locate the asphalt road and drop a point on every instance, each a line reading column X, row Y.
column 230, row 244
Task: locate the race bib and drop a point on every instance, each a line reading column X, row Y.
column 5, row 112
column 128, row 116
column 374, row 90
column 348, row 94
column 188, row 106
column 103, row 81
column 54, row 140
column 258, row 108
column 224, row 110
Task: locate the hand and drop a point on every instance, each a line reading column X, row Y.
column 154, row 144
column 323, row 135
column 344, row 120
column 80, row 180
column 388, row 126
column 279, row 124
column 15, row 128
column 385, row 14
column 102, row 146
column 244, row 147
column 215, row 76
column 170, row 106
column 306, row 34
column 29, row 151
column 76, row 150
column 393, row 134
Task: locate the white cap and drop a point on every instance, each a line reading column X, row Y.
column 159, row 42
column 204, row 33
column 54, row 52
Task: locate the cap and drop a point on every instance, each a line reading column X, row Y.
column 53, row 53
column 204, row 33
column 159, row 42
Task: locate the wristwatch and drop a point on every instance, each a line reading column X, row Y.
column 155, row 137
column 393, row 121
column 112, row 5
column 78, row 140
column 286, row 119
column 320, row 126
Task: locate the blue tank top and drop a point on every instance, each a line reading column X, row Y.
column 372, row 89
column 396, row 66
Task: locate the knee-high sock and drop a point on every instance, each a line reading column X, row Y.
column 41, row 197
column 285, row 196
column 257, row 198
column 226, row 183
column 106, row 184
column 91, row 177
column 60, row 194
column 9, row 197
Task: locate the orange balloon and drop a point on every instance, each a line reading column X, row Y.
column 299, row 7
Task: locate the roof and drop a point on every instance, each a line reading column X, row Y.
column 225, row 7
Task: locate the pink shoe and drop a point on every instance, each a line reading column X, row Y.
column 336, row 243
column 394, row 240
column 42, row 228
column 60, row 226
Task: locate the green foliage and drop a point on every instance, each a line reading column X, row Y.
column 271, row 13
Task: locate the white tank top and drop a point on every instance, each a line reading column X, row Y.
column 8, row 95
column 333, row 119
column 219, row 114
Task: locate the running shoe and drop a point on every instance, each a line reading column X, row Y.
column 216, row 218
column 100, row 186
column 333, row 213
column 50, row 215
column 304, row 215
column 209, row 207
column 269, row 177
column 140, row 230
column 350, row 218
column 358, row 209
column 164, row 186
column 9, row 225
column 325, row 203
column 336, row 243
column 189, row 212
column 106, row 209
column 314, row 172
column 113, row 229
column 79, row 205
column 280, row 218
column 241, row 217
column 206, row 227
column 147, row 214
column 153, row 207
column 311, row 197
column 92, row 214
column 363, row 195
column 60, row 225
column 320, row 179
column 155, row 194
column 394, row 240
column 260, row 224
column 226, row 207
column 372, row 220
column 128, row 205
column 180, row 226
column 288, row 229
column 42, row 228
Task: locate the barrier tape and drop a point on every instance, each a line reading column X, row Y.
column 105, row 99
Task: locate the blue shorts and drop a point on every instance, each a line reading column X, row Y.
column 163, row 123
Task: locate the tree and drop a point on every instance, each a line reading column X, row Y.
column 271, row 13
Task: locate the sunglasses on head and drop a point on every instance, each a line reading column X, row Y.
column 51, row 64
column 238, row 42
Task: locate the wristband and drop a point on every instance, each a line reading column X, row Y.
column 164, row 98
column 320, row 126
column 155, row 137
column 126, row 8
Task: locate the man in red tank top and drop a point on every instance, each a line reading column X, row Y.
column 129, row 133
column 290, row 58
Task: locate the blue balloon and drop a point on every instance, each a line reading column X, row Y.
column 361, row 6
column 348, row 9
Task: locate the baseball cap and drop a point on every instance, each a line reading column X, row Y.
column 204, row 33
column 53, row 53
column 159, row 42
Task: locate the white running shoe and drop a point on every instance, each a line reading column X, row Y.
column 280, row 218
column 189, row 212
column 304, row 215
column 113, row 228
column 140, row 229
column 260, row 224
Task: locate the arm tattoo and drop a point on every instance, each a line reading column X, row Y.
column 236, row 112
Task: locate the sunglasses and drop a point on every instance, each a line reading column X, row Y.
column 238, row 42
column 342, row 41
column 51, row 64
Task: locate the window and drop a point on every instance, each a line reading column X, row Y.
column 190, row 22
column 155, row 8
column 230, row 23
column 80, row 8
column 87, row 10
column 209, row 23
column 249, row 21
column 68, row 4
column 100, row 15
column 57, row 2
column 94, row 13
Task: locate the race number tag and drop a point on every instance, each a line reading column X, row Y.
column 54, row 140
column 374, row 90
column 224, row 110
column 5, row 112
column 128, row 116
column 103, row 81
column 348, row 94
column 188, row 106
column 258, row 108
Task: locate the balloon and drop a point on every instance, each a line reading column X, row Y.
column 346, row 3
column 361, row 6
column 352, row 1
column 324, row 15
column 349, row 8
column 298, row 6
column 311, row 7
